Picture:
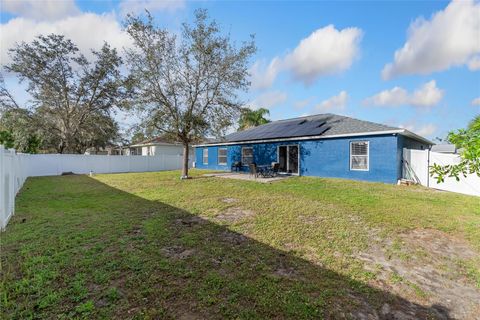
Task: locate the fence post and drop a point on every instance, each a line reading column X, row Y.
column 57, row 164
column 12, row 176
column 428, row 168
column 3, row 215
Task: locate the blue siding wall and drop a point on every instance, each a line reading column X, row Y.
column 212, row 159
column 331, row 158
column 323, row 158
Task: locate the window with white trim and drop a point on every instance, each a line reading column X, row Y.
column 222, row 156
column 359, row 153
column 205, row 156
column 247, row 155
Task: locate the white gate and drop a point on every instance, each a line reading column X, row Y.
column 415, row 166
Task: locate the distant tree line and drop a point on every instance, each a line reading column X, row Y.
column 72, row 98
column 185, row 86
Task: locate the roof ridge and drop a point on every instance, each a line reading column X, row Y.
column 375, row 123
column 325, row 124
column 309, row 116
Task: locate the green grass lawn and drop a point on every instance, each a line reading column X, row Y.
column 148, row 245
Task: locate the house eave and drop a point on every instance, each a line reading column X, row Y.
column 415, row 136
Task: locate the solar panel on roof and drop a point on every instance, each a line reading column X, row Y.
column 281, row 129
column 307, row 126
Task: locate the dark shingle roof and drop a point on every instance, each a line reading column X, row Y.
column 168, row 140
column 315, row 125
column 163, row 140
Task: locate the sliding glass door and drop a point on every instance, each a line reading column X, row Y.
column 293, row 159
column 288, row 159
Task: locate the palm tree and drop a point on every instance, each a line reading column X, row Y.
column 252, row 118
column 475, row 124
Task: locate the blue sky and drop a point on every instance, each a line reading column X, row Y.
column 313, row 57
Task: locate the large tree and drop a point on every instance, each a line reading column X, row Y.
column 252, row 118
column 468, row 141
column 187, row 85
column 18, row 126
column 21, row 127
column 72, row 97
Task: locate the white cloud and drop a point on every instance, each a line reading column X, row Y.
column 262, row 76
column 87, row 30
column 40, row 10
column 324, row 52
column 423, row 130
column 139, row 6
column 476, row 102
column 427, row 95
column 393, row 97
column 449, row 38
column 268, row 100
column 335, row 103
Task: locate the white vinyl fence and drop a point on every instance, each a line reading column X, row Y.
column 15, row 168
column 56, row 164
column 13, row 173
column 416, row 167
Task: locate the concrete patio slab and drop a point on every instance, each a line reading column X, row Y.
column 246, row 176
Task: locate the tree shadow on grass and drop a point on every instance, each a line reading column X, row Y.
column 94, row 251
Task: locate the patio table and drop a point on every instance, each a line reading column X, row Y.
column 264, row 168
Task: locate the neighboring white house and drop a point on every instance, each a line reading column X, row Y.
column 111, row 150
column 157, row 146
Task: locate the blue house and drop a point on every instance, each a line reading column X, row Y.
column 324, row 145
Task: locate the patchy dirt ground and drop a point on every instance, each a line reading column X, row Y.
column 422, row 266
column 233, row 237
column 189, row 221
column 233, row 215
column 229, row 200
column 177, row 252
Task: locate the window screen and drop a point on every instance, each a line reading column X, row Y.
column 359, row 155
column 205, row 156
column 222, row 156
column 247, row 155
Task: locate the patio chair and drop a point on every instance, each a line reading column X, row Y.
column 271, row 171
column 275, row 168
column 253, row 169
column 236, row 166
